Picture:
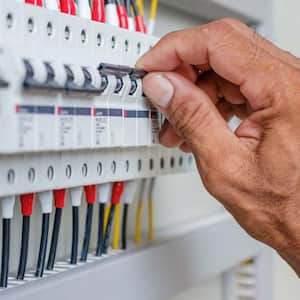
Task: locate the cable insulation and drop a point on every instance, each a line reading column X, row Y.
column 87, row 232
column 5, row 252
column 100, row 229
column 116, row 236
column 24, row 248
column 75, row 234
column 108, row 228
column 43, row 246
column 54, row 238
column 124, row 226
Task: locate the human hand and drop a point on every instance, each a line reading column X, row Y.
column 201, row 77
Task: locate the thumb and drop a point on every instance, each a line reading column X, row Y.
column 192, row 114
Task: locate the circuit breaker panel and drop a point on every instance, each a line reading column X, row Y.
column 72, row 109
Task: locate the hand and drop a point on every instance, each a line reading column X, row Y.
column 201, row 77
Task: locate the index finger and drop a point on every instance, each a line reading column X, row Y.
column 224, row 49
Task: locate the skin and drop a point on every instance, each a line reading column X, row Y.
column 200, row 78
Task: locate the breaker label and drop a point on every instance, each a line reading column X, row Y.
column 101, row 126
column 65, row 126
column 130, row 128
column 83, row 127
column 28, row 120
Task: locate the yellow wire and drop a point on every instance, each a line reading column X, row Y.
column 140, row 6
column 116, row 237
column 138, row 224
column 106, row 214
column 150, row 220
column 153, row 9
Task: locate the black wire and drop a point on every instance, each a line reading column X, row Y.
column 127, row 4
column 100, row 229
column 43, row 246
column 87, row 232
column 54, row 239
column 108, row 229
column 5, row 253
column 75, row 233
column 24, row 248
column 134, row 7
column 124, row 226
column 109, row 2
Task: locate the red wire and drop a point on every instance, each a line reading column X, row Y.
column 98, row 11
column 68, row 7
column 90, row 193
column 140, row 24
column 35, row 2
column 117, row 191
column 59, row 198
column 123, row 18
column 27, row 202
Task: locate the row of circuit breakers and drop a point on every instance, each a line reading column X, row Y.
column 77, row 99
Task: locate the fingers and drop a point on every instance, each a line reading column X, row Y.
column 231, row 54
column 191, row 113
column 168, row 136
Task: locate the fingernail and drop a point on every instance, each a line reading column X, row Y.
column 158, row 89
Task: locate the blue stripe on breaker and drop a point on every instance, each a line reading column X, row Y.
column 101, row 112
column 46, row 110
column 143, row 114
column 67, row 111
column 83, row 111
column 25, row 109
column 130, row 113
column 115, row 112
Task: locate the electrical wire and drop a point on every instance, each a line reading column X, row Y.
column 152, row 16
column 117, row 191
column 98, row 11
column 116, row 235
column 43, row 246
column 106, row 215
column 108, row 228
column 111, row 15
column 104, row 192
column 54, row 238
column 122, row 14
column 67, row 7
column 139, row 211
column 35, row 2
column 139, row 21
column 140, row 6
column 7, row 214
column 76, row 195
column 5, row 252
column 87, row 232
column 27, row 202
column 100, row 229
column 127, row 199
column 124, row 226
column 59, row 201
column 24, row 248
column 90, row 193
column 150, row 211
column 75, row 234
